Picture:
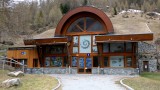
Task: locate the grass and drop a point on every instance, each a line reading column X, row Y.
column 31, row 82
column 146, row 81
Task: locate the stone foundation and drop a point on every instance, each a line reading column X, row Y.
column 115, row 71
column 108, row 71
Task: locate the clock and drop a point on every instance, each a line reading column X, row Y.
column 85, row 44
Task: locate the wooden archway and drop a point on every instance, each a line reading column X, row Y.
column 80, row 12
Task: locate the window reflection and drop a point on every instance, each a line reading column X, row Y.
column 117, row 47
column 128, row 47
column 105, row 47
column 74, row 61
column 129, row 61
column 85, row 23
column 117, row 61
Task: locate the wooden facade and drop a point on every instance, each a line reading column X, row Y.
column 84, row 39
column 28, row 54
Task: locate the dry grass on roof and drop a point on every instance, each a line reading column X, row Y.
column 136, row 23
column 47, row 34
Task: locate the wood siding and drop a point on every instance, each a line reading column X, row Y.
column 19, row 54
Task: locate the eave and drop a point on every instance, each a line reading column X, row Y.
column 124, row 38
column 45, row 41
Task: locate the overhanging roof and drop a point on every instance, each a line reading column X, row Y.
column 46, row 41
column 124, row 38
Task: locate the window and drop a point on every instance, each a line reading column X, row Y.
column 105, row 47
column 35, row 62
column 94, row 49
column 105, row 61
column 65, row 62
column 117, row 47
column 47, row 61
column 75, row 49
column 86, row 24
column 56, row 61
column 74, row 61
column 75, row 40
column 117, row 61
column 129, row 61
column 54, row 49
column 128, row 47
column 96, row 62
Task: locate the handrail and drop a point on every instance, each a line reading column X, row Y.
column 6, row 59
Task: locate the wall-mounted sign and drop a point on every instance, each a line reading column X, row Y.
column 23, row 53
column 85, row 44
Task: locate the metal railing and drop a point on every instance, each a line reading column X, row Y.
column 11, row 61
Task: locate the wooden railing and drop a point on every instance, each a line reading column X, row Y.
column 9, row 61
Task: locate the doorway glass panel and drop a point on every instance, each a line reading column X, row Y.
column 81, row 62
column 88, row 62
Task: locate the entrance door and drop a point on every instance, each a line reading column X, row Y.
column 85, row 65
column 145, row 66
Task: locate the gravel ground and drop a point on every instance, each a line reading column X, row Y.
column 89, row 82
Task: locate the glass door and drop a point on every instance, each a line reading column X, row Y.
column 85, row 65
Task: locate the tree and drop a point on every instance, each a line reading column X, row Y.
column 85, row 2
column 64, row 8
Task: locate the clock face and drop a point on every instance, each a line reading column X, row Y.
column 85, row 44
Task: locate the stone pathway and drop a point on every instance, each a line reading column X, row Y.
column 89, row 82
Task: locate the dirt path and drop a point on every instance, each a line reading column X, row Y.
column 89, row 82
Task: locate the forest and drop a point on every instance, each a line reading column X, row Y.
column 34, row 16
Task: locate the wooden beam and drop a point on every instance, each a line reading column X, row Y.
column 127, row 38
column 45, row 41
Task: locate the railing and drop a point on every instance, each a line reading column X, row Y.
column 11, row 61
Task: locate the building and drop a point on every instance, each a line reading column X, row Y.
column 85, row 41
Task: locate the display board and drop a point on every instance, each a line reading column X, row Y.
column 85, row 44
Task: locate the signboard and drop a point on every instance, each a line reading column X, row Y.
column 85, row 44
column 23, row 53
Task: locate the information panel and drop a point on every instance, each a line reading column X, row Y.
column 85, row 44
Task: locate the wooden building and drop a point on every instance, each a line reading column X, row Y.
column 86, row 40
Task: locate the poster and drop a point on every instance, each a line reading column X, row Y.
column 74, row 61
column 75, row 40
column 117, row 61
column 47, row 61
column 85, row 44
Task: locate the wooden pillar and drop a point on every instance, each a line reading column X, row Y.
column 40, row 58
column 99, row 46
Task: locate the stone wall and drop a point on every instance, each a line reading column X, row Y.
column 115, row 71
column 108, row 71
column 147, row 52
column 56, row 70
column 152, row 64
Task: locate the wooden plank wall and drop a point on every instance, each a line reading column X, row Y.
column 29, row 55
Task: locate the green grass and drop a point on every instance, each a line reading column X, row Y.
column 146, row 81
column 31, row 82
column 154, row 75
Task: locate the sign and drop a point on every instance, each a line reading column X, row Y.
column 88, row 54
column 23, row 53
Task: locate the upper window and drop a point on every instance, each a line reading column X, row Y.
column 117, row 47
column 85, row 24
column 128, row 47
